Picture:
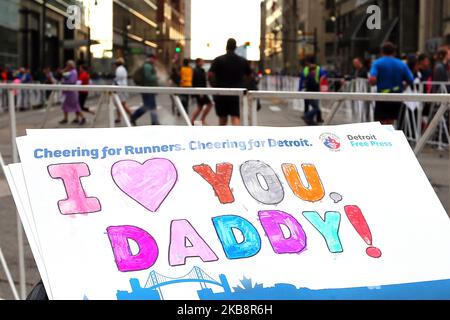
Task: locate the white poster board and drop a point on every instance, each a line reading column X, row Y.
column 187, row 213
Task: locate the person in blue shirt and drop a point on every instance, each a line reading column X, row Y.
column 310, row 80
column 389, row 75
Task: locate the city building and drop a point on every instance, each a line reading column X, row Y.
column 294, row 29
column 316, row 30
column 272, row 22
column 399, row 24
column 434, row 26
column 9, row 32
column 148, row 26
column 34, row 34
column 44, row 39
column 135, row 30
column 171, row 22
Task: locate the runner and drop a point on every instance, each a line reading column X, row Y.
column 199, row 81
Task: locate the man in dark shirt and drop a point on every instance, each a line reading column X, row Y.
column 229, row 71
column 199, row 81
column 360, row 70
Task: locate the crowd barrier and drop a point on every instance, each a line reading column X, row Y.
column 248, row 102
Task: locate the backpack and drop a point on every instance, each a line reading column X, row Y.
column 138, row 76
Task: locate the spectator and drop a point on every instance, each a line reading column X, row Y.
column 389, row 74
column 85, row 80
column 186, row 76
column 71, row 102
column 24, row 77
column 48, row 78
column 424, row 71
column 360, row 71
column 229, row 71
column 199, row 81
column 440, row 71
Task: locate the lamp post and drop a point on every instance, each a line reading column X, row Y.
column 42, row 34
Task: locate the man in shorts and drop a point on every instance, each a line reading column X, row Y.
column 389, row 75
column 199, row 81
column 229, row 71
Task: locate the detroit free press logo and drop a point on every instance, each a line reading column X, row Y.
column 331, row 141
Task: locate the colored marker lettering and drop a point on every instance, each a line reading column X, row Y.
column 314, row 192
column 248, row 247
column 219, row 180
column 77, row 202
column 328, row 228
column 125, row 260
column 181, row 232
column 272, row 220
column 251, row 171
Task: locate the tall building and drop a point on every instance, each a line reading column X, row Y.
column 272, row 37
column 43, row 38
column 316, row 30
column 147, row 26
column 294, row 29
column 434, row 25
column 171, row 21
column 9, row 30
column 399, row 24
column 135, row 30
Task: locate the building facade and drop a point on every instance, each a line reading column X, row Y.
column 399, row 24
column 43, row 34
column 147, row 26
column 9, row 33
column 294, row 29
column 135, row 30
column 171, row 21
column 34, row 34
column 434, row 26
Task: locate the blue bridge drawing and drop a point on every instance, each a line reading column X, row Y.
column 434, row 290
column 152, row 288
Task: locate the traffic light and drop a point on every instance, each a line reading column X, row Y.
column 178, row 48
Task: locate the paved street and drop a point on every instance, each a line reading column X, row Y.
column 274, row 113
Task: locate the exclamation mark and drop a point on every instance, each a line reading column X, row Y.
column 358, row 221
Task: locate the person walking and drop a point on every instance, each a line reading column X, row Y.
column 186, row 78
column 310, row 81
column 199, row 81
column 85, row 80
column 149, row 79
column 229, row 71
column 389, row 74
column 121, row 79
column 440, row 70
column 71, row 102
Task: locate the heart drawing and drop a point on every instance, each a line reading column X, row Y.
column 147, row 183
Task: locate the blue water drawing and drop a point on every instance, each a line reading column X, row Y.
column 246, row 290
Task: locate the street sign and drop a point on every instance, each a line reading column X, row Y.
column 72, row 43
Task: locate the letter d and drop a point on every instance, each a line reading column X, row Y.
column 125, row 260
column 248, row 247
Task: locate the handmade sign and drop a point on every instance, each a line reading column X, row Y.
column 230, row 213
